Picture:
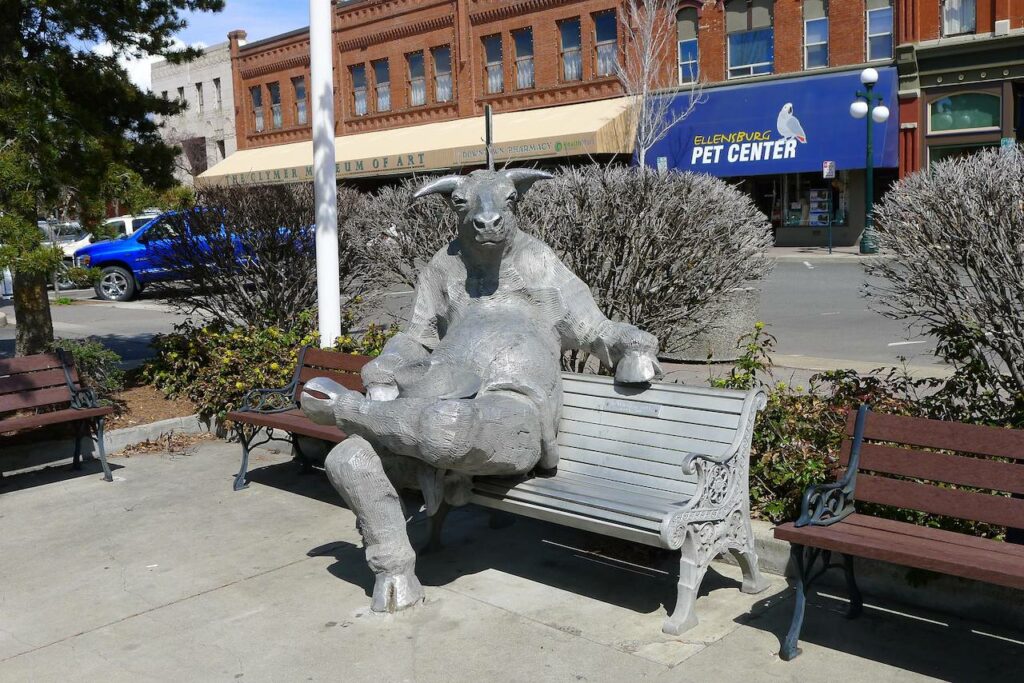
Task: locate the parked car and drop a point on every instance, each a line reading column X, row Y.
column 68, row 237
column 131, row 262
column 124, row 226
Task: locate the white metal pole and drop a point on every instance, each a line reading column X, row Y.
column 325, row 181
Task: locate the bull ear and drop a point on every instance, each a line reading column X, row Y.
column 524, row 178
column 445, row 185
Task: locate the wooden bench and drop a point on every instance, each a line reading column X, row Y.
column 904, row 462
column 43, row 390
column 665, row 466
column 269, row 411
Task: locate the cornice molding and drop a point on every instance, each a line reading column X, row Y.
column 270, row 67
column 397, row 33
column 514, row 9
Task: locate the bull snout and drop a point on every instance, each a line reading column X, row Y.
column 488, row 226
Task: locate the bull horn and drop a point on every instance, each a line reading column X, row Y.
column 444, row 185
column 524, row 178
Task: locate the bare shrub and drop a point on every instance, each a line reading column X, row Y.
column 659, row 250
column 402, row 236
column 247, row 255
column 956, row 269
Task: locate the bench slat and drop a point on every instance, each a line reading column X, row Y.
column 35, row 363
column 951, row 469
column 679, row 395
column 683, row 488
column 672, row 499
column 34, row 398
column 334, row 360
column 664, row 441
column 620, row 492
column 979, row 507
column 655, row 470
column 571, row 519
column 952, row 436
column 651, row 424
column 345, row 379
column 909, row 551
column 484, row 488
column 26, row 381
column 951, row 537
column 688, row 415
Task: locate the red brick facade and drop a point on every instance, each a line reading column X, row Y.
column 372, row 30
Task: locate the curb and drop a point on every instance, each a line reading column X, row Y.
column 48, row 452
column 950, row 595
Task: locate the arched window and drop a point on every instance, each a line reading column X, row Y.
column 689, row 55
column 965, row 112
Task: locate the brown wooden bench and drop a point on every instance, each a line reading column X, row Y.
column 269, row 411
column 905, row 462
column 44, row 389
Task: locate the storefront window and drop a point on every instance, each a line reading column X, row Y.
column 964, row 111
column 812, row 201
column 955, row 151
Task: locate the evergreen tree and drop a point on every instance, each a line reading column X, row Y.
column 67, row 115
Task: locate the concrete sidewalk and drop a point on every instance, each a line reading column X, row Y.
column 167, row 575
column 821, row 254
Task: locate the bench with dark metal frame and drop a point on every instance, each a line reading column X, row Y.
column 903, row 462
column 44, row 389
column 277, row 410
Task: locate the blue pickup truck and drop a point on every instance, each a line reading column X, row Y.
column 130, row 263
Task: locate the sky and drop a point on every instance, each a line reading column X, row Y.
column 259, row 18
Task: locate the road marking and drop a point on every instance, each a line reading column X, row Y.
column 809, row 266
column 907, row 343
column 833, row 313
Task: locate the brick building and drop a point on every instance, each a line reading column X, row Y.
column 412, row 78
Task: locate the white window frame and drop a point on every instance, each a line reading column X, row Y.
column 869, row 35
column 974, row 24
column 728, row 48
column 962, row 131
column 695, row 63
column 807, row 66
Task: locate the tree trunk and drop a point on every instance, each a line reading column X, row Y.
column 32, row 312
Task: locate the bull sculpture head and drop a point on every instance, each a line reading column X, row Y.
column 485, row 202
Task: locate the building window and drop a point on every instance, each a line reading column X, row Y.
column 815, row 34
column 256, row 95
column 971, row 111
column 382, row 82
column 217, row 94
column 181, row 95
column 199, row 98
column 442, row 73
column 359, row 89
column 301, row 110
column 417, row 79
column 689, row 54
column 494, row 76
column 607, row 41
column 221, row 152
column 275, row 104
column 751, row 38
column 163, row 94
column 523, row 40
column 958, row 17
column 572, row 59
column 879, row 29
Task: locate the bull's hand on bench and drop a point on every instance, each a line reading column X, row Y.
column 269, row 400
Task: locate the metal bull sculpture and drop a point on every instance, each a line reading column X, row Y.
column 472, row 386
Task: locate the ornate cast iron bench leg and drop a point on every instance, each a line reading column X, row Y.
column 804, row 558
column 692, row 567
column 244, row 439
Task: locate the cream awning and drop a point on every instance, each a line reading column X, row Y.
column 586, row 128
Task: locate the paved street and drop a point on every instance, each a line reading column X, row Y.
column 812, row 305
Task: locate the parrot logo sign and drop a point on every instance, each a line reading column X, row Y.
column 789, row 126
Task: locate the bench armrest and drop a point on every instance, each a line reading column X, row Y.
column 84, row 398
column 268, row 401
column 826, row 504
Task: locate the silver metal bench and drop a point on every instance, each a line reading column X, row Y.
column 665, row 466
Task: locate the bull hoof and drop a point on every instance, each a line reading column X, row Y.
column 395, row 592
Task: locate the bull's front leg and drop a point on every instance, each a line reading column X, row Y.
column 631, row 351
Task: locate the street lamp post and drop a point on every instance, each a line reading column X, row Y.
column 869, row 103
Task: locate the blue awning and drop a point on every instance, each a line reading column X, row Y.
column 784, row 126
